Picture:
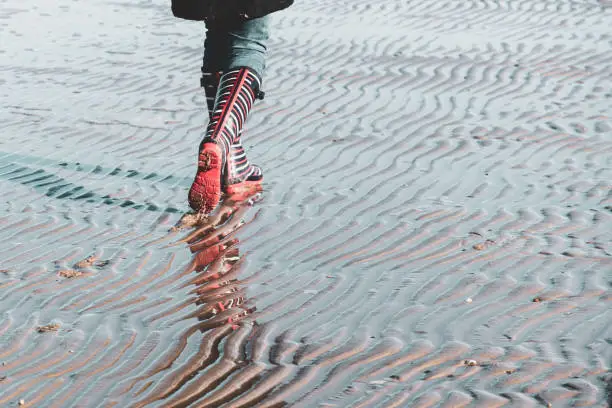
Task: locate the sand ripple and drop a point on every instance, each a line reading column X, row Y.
column 435, row 228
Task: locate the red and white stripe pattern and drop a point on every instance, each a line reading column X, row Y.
column 240, row 169
column 235, row 97
column 210, row 83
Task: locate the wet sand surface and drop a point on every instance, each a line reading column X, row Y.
column 435, row 230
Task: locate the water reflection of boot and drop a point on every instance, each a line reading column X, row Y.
column 219, row 293
column 209, row 363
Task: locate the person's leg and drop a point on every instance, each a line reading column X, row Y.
column 234, row 60
column 235, row 44
column 229, row 46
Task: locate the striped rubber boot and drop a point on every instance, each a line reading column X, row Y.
column 240, row 165
column 222, row 164
column 210, row 83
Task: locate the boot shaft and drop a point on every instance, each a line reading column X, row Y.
column 210, row 83
column 236, row 94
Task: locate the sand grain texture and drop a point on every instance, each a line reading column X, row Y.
column 435, row 228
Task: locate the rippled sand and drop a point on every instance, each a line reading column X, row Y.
column 435, row 230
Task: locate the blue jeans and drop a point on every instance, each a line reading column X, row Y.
column 230, row 45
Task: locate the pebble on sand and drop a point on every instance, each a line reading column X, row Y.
column 483, row 245
column 470, row 363
column 468, row 300
column 70, row 273
column 190, row 220
column 87, row 262
column 90, row 261
column 53, row 327
column 21, row 402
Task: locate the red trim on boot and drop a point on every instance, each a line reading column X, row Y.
column 229, row 105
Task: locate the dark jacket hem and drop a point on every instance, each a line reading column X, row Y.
column 202, row 10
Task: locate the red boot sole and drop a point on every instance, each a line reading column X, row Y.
column 205, row 191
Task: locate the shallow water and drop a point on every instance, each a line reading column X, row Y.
column 434, row 230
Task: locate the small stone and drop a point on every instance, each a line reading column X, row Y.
column 468, row 300
column 479, row 247
column 53, row 327
column 70, row 273
column 190, row 220
column 87, row 262
column 470, row 363
column 537, row 299
column 21, row 402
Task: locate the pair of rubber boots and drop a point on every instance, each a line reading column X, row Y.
column 222, row 163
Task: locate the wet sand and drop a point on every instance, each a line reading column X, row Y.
column 435, row 230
